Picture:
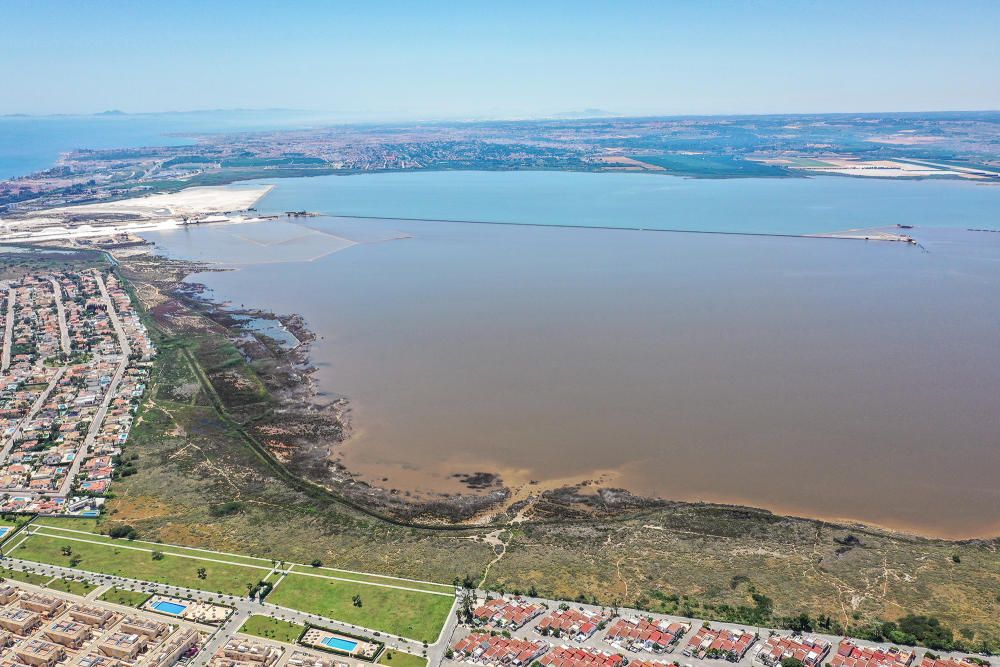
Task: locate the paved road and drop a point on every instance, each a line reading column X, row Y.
column 61, row 311
column 8, row 332
column 35, row 407
column 436, row 651
column 109, row 394
column 220, row 637
column 244, row 607
column 597, row 640
column 452, row 631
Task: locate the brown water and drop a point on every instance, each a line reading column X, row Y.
column 817, row 377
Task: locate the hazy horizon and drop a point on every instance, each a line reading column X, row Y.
column 399, row 61
column 350, row 117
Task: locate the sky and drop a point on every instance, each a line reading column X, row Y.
column 505, row 58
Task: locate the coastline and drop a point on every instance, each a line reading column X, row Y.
column 491, row 494
column 563, row 543
column 478, row 503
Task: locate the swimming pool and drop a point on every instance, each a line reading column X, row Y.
column 3, row 531
column 345, row 645
column 169, row 607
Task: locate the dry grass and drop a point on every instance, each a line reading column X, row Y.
column 709, row 557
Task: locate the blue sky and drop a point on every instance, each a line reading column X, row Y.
column 502, row 59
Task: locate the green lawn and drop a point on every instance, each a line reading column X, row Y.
column 400, row 659
column 122, row 558
column 13, row 524
column 155, row 546
column 48, row 526
column 272, row 628
column 70, row 586
column 405, row 613
column 26, row 577
column 376, row 578
column 124, row 597
column 89, row 525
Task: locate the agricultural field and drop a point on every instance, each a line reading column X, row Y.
column 712, row 166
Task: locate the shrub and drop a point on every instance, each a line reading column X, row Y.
column 226, row 509
column 124, row 530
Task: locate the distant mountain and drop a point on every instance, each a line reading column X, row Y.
column 586, row 113
column 111, row 112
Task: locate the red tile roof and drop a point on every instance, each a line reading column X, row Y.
column 507, row 613
column 850, row 654
column 633, row 631
column 735, row 644
column 488, row 649
column 808, row 650
column 568, row 656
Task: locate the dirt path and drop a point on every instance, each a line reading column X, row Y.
column 500, row 545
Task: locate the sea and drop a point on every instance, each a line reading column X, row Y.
column 33, row 143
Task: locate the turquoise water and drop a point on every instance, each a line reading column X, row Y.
column 32, row 143
column 775, row 206
column 340, row 644
column 169, row 607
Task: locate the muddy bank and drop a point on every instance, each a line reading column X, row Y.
column 259, row 367
column 270, row 389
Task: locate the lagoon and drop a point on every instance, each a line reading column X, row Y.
column 651, row 201
column 819, row 377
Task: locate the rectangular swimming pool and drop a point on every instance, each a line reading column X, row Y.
column 345, row 645
column 169, row 607
column 3, row 531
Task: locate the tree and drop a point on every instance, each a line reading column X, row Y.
column 926, row 630
column 123, row 530
column 791, row 662
column 157, row 555
column 800, row 623
column 67, row 551
column 356, row 600
column 317, row 563
column 202, row 573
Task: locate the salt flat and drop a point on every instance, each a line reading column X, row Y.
column 152, row 212
column 188, row 202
